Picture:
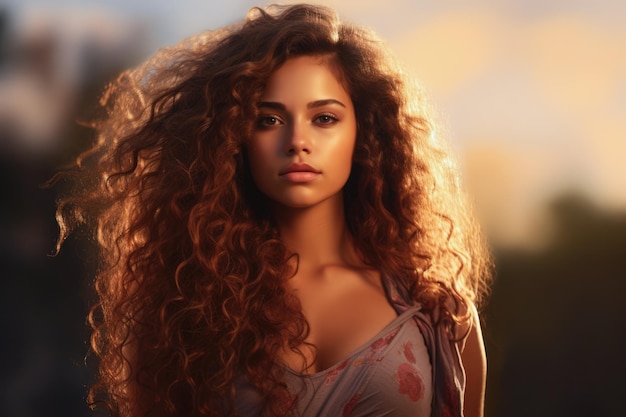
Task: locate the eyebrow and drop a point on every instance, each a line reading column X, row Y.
column 311, row 105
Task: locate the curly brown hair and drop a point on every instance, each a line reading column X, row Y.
column 191, row 281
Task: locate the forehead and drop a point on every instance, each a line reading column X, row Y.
column 306, row 77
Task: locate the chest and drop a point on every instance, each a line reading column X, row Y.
column 390, row 375
column 344, row 312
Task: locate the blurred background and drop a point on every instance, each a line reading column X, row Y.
column 532, row 95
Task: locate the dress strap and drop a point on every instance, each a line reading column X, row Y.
column 397, row 295
column 445, row 357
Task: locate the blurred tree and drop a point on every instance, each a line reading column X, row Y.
column 556, row 322
column 43, row 300
column 4, row 20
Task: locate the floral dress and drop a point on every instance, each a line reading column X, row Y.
column 409, row 369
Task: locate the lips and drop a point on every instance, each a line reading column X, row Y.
column 299, row 173
column 299, row 167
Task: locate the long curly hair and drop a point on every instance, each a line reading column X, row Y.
column 192, row 269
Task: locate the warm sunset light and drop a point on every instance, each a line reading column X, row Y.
column 530, row 94
column 542, row 86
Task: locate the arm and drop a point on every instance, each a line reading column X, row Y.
column 475, row 363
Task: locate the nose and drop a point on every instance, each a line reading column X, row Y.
column 298, row 139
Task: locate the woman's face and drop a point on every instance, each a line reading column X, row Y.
column 301, row 152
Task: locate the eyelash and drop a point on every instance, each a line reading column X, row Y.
column 332, row 117
column 264, row 119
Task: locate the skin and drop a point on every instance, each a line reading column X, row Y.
column 306, row 116
column 474, row 361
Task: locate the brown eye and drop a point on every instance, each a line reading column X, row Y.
column 326, row 119
column 268, row 121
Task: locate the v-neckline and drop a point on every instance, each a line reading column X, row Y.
column 392, row 325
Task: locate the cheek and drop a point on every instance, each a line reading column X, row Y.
column 341, row 160
column 346, row 152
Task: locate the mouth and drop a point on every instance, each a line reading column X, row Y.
column 299, row 167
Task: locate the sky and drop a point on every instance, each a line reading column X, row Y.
column 532, row 94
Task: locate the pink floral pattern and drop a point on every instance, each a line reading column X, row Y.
column 383, row 341
column 347, row 409
column 332, row 375
column 373, row 353
column 410, row 382
column 408, row 352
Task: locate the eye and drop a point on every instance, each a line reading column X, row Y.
column 326, row 119
column 268, row 121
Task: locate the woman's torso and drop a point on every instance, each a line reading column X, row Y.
column 378, row 364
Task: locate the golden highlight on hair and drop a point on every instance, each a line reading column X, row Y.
column 191, row 281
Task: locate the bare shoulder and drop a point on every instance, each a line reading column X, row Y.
column 475, row 363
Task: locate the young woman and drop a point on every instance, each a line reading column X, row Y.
column 281, row 233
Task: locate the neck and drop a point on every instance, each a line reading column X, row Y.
column 318, row 234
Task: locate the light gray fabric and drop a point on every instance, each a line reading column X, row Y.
column 388, row 376
column 409, row 369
